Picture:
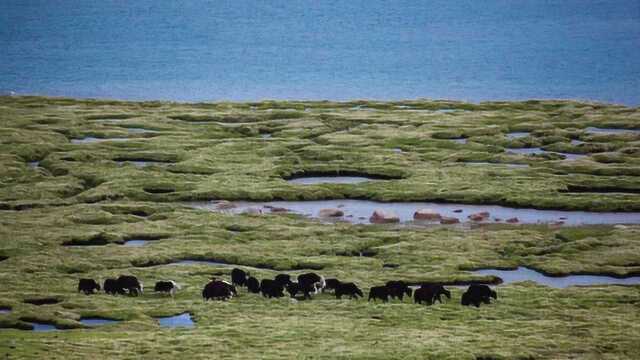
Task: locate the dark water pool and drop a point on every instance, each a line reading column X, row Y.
column 311, row 180
column 5, row 310
column 359, row 211
column 526, row 274
column 181, row 320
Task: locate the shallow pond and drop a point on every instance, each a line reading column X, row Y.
column 596, row 130
column 95, row 321
column 459, row 141
column 359, row 211
column 534, row 151
column 141, row 163
column 311, row 180
column 135, row 243
column 181, row 320
column 140, row 131
column 42, row 327
column 517, row 135
column 33, row 164
column 511, row 165
column 526, row 274
column 90, row 140
column 199, row 262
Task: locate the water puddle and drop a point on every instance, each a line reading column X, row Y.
column 359, row 211
column 135, row 243
column 5, row 310
column 511, row 165
column 95, row 321
column 535, row 151
column 517, row 135
column 526, row 274
column 140, row 163
column 526, row 151
column 33, row 164
column 577, row 142
column 199, row 262
column 91, row 140
column 141, row 131
column 181, row 320
column 311, row 180
column 459, row 141
column 610, row 131
column 42, row 327
column 266, row 136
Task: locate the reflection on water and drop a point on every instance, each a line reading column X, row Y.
column 182, row 320
column 359, row 211
column 526, row 274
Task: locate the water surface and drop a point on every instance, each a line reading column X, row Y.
column 240, row 50
column 517, row 135
column 329, row 180
column 595, row 130
column 359, row 211
column 182, row 320
column 135, row 243
column 91, row 140
column 526, row 274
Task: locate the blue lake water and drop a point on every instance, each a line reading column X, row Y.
column 241, row 50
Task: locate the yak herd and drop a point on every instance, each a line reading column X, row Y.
column 304, row 287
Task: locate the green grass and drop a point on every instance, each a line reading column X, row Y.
column 66, row 219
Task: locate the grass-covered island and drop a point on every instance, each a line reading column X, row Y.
column 82, row 177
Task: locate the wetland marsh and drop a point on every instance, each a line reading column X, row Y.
column 68, row 216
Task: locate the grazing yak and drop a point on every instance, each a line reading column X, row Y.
column 218, row 290
column 239, row 277
column 169, row 287
column 311, row 282
column 331, row 284
column 349, row 289
column 477, row 294
column 429, row 293
column 253, row 285
column 123, row 285
column 130, row 284
column 271, row 288
column 397, row 289
column 88, row 286
column 111, row 287
column 283, row 279
column 379, row 292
